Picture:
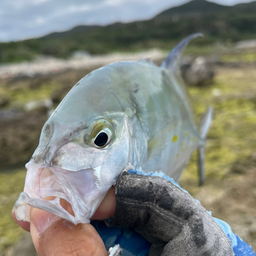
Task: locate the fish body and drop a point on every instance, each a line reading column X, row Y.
column 129, row 114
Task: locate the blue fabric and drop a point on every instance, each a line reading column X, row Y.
column 239, row 246
column 133, row 244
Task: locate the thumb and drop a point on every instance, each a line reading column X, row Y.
column 63, row 238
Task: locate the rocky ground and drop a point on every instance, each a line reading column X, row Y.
column 47, row 65
column 230, row 187
column 232, row 199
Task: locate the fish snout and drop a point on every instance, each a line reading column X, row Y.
column 73, row 196
column 43, row 155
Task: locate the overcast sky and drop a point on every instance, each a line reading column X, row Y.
column 22, row 19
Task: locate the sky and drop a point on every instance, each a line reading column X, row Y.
column 23, row 19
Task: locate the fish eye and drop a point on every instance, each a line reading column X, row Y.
column 102, row 138
column 100, row 135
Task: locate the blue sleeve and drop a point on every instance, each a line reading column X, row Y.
column 240, row 247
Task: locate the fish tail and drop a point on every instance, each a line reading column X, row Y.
column 204, row 127
column 206, row 122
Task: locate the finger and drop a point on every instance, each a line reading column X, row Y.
column 105, row 210
column 62, row 237
column 23, row 224
column 107, row 207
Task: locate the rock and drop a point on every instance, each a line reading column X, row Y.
column 248, row 44
column 10, row 114
column 216, row 92
column 197, row 72
column 214, row 61
column 59, row 94
column 4, row 100
column 253, row 157
column 240, row 166
column 252, row 231
column 80, row 54
column 19, row 135
column 41, row 106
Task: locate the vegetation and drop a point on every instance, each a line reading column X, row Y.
column 233, row 98
column 9, row 192
column 218, row 23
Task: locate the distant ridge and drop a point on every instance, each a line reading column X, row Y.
column 73, row 31
column 219, row 23
column 245, row 6
column 193, row 7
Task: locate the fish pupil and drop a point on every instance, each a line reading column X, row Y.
column 101, row 139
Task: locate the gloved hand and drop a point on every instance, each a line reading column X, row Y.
column 168, row 217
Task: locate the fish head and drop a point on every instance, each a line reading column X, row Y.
column 83, row 148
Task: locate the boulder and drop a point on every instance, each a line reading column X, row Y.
column 19, row 135
column 4, row 100
column 44, row 106
column 197, row 72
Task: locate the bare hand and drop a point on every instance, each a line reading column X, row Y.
column 64, row 238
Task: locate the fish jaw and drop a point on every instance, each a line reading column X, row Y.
column 80, row 189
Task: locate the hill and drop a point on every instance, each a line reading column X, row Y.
column 251, row 7
column 219, row 24
column 74, row 31
column 194, row 7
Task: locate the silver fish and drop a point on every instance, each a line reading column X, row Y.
column 125, row 115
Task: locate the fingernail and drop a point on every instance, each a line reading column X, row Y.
column 41, row 219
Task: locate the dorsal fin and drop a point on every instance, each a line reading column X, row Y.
column 173, row 59
column 172, row 65
column 147, row 61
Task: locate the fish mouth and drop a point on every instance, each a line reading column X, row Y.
column 47, row 188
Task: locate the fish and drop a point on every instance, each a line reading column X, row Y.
column 125, row 115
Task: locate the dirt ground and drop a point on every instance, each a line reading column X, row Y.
column 230, row 187
column 232, row 199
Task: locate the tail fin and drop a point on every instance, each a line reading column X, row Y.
column 204, row 127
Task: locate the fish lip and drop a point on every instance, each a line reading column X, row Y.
column 34, row 195
column 24, row 199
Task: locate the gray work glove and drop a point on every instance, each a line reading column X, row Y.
column 169, row 218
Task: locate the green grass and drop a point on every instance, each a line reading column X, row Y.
column 232, row 133
column 12, row 183
column 243, row 57
column 21, row 93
